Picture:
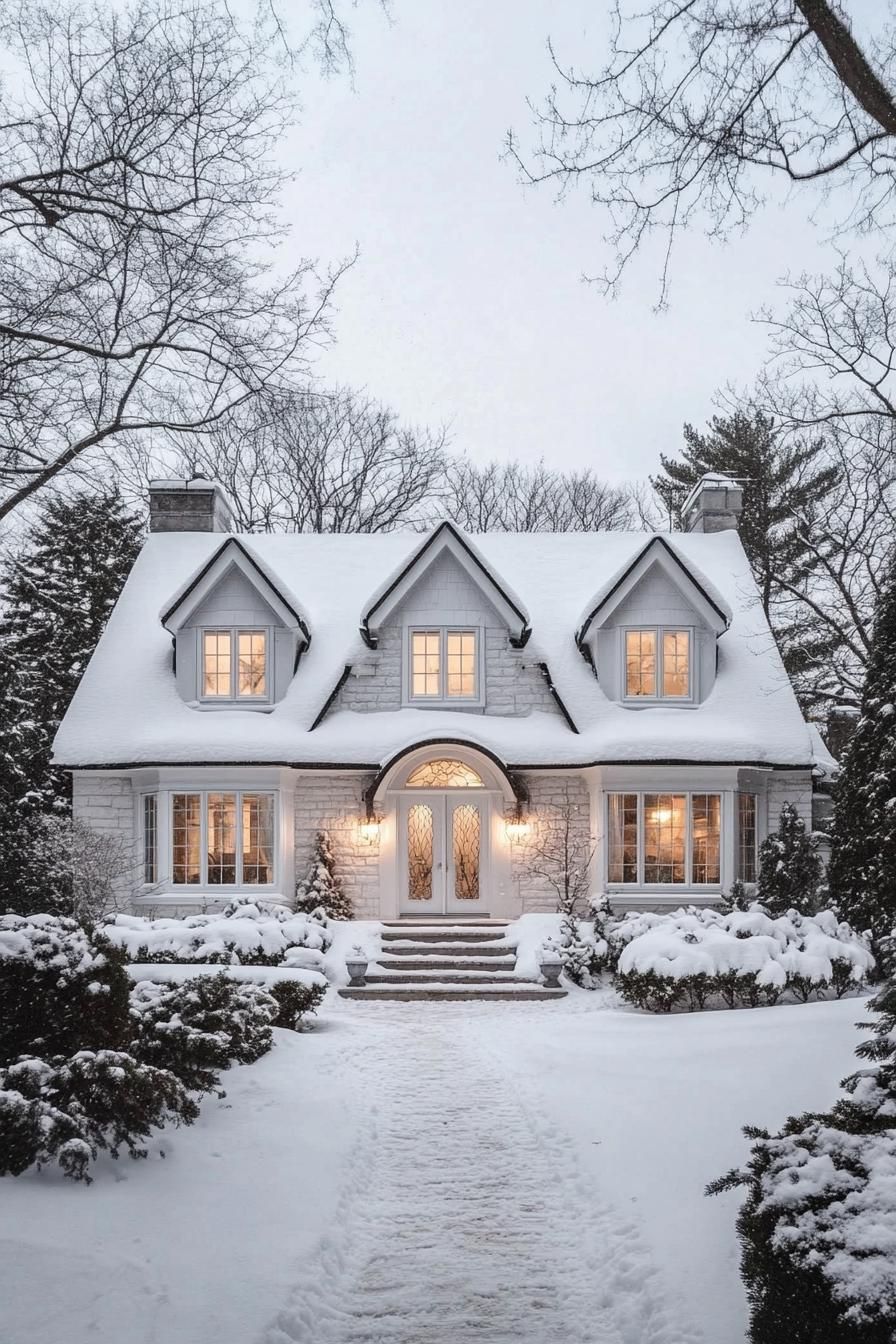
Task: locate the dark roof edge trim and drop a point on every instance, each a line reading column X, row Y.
column 344, row 676
column 546, row 673
column 496, row 761
column 654, row 541
column 441, row 741
column 197, row 579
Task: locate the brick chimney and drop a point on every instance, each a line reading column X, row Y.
column 714, row 504
column 189, row 506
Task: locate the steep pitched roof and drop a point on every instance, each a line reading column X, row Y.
column 181, row 604
column 127, row 709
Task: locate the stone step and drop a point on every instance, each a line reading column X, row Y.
column 452, row 933
column 441, row 976
column 417, row 949
column 444, row 922
column 493, row 964
column 522, row 992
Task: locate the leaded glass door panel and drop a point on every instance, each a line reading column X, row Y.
column 464, row 833
column 442, row 839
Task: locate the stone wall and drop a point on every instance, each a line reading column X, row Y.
column 551, row 799
column 514, row 684
column 335, row 803
column 105, row 803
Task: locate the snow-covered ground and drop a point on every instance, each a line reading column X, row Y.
column 432, row 1174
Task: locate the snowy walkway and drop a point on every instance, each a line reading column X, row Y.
column 465, row 1218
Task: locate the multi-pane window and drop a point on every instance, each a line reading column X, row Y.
column 623, row 837
column 640, row 662
column 234, row 665
column 444, row 665
column 150, row 837
column 657, row 664
column 664, row 839
column 746, row 837
column 222, row 839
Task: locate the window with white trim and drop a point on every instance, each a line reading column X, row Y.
column 150, row 837
column 233, row 664
column 664, row 839
column 657, row 663
column 746, row 837
column 222, row 839
column 444, row 664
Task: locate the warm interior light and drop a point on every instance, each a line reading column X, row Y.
column 370, row 829
column 517, row 826
column 660, row 816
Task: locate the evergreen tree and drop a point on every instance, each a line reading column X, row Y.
column 321, row 888
column 790, row 868
column 59, row 589
column 862, row 872
column 780, row 480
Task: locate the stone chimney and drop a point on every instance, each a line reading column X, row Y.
column 714, row 504
column 189, row 506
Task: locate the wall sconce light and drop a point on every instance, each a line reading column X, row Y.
column 516, row 825
column 369, row 827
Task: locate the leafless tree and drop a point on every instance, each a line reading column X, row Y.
column 703, row 102
column 137, row 214
column 307, row 462
column 511, row 497
column 560, row 850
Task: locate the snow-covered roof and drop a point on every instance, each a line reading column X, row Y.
column 127, row 709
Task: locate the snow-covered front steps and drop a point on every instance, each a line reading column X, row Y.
column 451, row 961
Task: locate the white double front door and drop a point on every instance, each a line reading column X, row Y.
column 443, row 849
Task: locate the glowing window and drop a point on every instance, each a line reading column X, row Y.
column 234, row 665
column 658, row 664
column 150, row 837
column 444, row 775
column 444, row 665
column 623, row 837
column 640, row 662
column 746, row 837
column 706, row 810
column 222, row 839
column 665, row 837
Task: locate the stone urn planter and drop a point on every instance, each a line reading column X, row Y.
column 356, row 965
column 551, row 965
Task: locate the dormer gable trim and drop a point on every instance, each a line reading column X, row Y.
column 233, row 554
column 446, row 538
column 657, row 551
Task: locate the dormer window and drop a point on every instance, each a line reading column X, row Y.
column 444, row 665
column 657, row 664
column 234, row 665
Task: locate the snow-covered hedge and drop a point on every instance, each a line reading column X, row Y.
column 200, row 1027
column 694, row 957
column 818, row 1226
column 68, row 1110
column 62, row 988
column 246, row 933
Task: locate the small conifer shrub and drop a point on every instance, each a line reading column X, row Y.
column 321, row 888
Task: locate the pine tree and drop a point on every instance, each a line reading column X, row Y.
column 862, row 871
column 321, row 888
column 779, row 482
column 790, row 868
column 59, row 589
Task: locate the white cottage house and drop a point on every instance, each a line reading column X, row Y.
column 442, row 705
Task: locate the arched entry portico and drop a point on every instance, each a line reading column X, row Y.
column 444, row 805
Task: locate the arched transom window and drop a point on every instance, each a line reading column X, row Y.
column 444, row 775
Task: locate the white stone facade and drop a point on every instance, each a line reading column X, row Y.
column 335, row 804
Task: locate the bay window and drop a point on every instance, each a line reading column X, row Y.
column 664, row 839
column 234, row 665
column 222, row 839
column 150, row 837
column 657, row 664
column 444, row 665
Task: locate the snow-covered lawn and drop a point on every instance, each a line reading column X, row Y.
column 433, row 1174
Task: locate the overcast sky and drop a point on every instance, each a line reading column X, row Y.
column 467, row 307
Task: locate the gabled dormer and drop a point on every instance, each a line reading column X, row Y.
column 651, row 631
column 237, row 637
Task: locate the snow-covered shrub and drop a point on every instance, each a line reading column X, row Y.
column 200, row 1027
column 818, row 1227
column 63, row 988
column 791, row 872
column 583, row 954
column 295, row 1002
column 693, row 957
column 246, row 933
column 68, row 1110
column 320, row 888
